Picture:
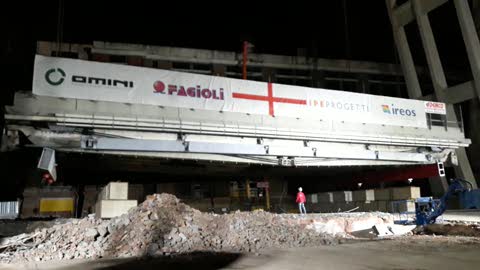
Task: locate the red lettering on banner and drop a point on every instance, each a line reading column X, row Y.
column 181, row 91
column 435, row 105
column 194, row 92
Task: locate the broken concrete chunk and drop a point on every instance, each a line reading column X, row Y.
column 91, row 233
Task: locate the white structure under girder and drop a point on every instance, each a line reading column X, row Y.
column 126, row 129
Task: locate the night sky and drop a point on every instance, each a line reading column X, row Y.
column 277, row 28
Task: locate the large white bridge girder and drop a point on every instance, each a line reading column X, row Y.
column 167, row 132
column 147, row 118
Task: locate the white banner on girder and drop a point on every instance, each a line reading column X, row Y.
column 69, row 78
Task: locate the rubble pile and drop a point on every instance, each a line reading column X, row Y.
column 162, row 225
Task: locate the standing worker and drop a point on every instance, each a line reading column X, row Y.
column 301, row 201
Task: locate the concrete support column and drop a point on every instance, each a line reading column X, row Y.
column 470, row 37
column 474, row 134
column 438, row 185
column 476, row 13
column 440, row 85
column 430, row 47
column 404, row 53
column 460, row 171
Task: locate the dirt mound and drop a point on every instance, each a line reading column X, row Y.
column 162, row 225
column 453, row 229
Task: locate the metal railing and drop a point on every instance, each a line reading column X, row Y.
column 441, row 120
column 9, row 210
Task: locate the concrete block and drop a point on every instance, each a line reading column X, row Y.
column 382, row 194
column 312, row 198
column 166, row 188
column 136, row 192
column 403, row 206
column 405, row 193
column 363, row 195
column 115, row 191
column 325, row 197
column 382, row 206
column 367, row 206
column 221, row 202
column 343, row 206
column 325, row 207
column 371, row 206
column 315, row 207
column 205, row 205
column 90, row 195
column 113, row 208
column 342, row 196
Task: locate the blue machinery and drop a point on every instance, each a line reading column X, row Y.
column 427, row 209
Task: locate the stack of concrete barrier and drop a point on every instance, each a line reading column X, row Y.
column 393, row 200
column 397, row 199
column 403, row 199
column 382, row 198
column 365, row 200
column 330, row 201
column 312, row 204
column 342, row 200
column 113, row 200
column 325, row 202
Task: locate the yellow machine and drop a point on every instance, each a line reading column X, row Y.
column 250, row 195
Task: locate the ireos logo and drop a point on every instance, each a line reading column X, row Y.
column 55, row 76
column 391, row 109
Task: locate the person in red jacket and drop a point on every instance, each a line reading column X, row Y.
column 301, row 201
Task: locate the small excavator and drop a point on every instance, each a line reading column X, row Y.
column 427, row 209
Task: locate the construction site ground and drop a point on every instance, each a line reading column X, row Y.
column 163, row 232
column 411, row 252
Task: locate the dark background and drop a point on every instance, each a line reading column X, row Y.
column 337, row 29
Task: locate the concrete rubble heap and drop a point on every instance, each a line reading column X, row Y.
column 162, row 225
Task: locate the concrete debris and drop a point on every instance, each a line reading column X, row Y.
column 402, row 229
column 162, row 225
column 383, row 230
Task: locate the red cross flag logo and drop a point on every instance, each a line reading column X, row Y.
column 270, row 99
